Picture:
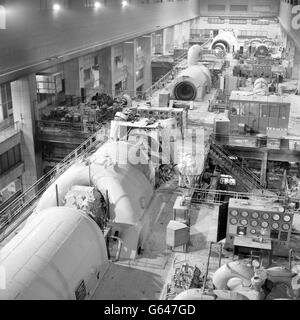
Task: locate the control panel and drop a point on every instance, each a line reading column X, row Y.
column 258, row 220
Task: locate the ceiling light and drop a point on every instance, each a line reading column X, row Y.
column 56, row 7
column 97, row 5
column 124, row 3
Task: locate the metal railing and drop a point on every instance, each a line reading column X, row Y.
column 19, row 209
column 284, row 143
column 46, row 126
column 221, row 196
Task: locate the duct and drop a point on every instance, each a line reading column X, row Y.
column 193, row 56
column 192, row 83
column 225, row 39
column 58, row 251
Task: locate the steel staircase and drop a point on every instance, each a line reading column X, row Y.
column 247, row 178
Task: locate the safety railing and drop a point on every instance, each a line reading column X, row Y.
column 284, row 143
column 221, row 196
column 19, row 209
column 46, row 126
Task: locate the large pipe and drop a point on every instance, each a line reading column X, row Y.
column 193, row 56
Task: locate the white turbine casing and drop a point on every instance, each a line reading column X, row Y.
column 112, row 170
column 225, row 38
column 196, row 79
column 52, row 255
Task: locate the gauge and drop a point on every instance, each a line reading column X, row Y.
column 253, row 231
column 254, row 223
column 245, row 214
column 287, row 218
column 276, row 217
column 264, row 224
column 265, row 216
column 255, row 215
column 285, row 226
column 233, row 221
column 244, row 222
column 275, row 225
column 234, row 213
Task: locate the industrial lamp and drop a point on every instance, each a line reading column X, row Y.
column 56, row 7
column 97, row 5
column 124, row 3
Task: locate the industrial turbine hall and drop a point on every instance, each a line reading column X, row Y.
column 150, row 150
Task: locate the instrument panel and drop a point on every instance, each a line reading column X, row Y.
column 276, row 226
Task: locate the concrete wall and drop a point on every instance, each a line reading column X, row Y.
column 33, row 35
column 256, row 8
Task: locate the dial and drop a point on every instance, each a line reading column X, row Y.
column 245, row 214
column 234, row 213
column 253, row 231
column 276, row 217
column 285, row 226
column 265, row 216
column 287, row 218
column 264, row 224
column 233, row 221
column 244, row 222
column 254, row 223
column 275, row 225
column 255, row 215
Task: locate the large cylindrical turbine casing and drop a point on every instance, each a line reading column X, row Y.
column 59, row 255
column 191, row 84
column 225, row 40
